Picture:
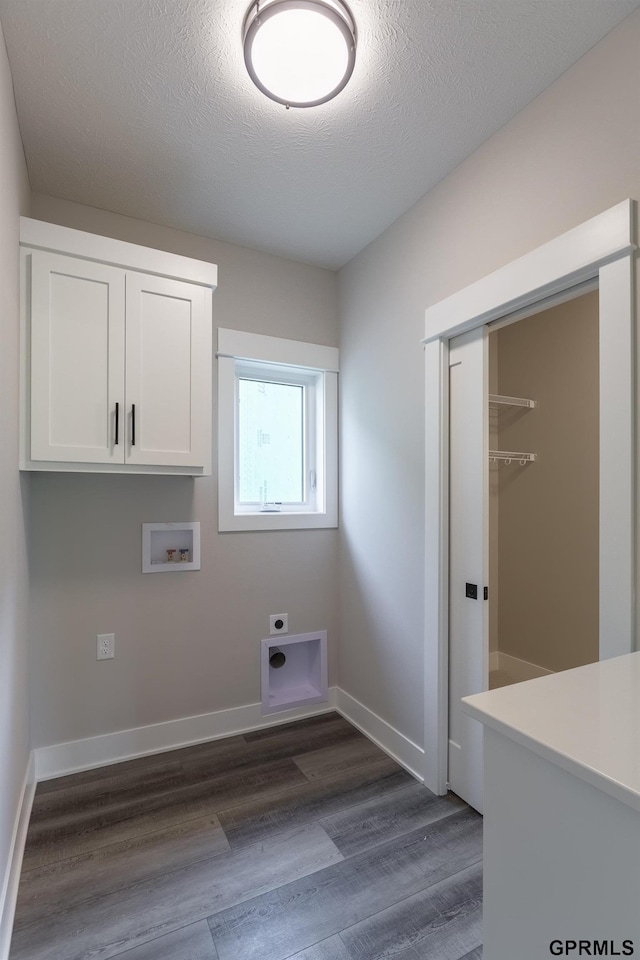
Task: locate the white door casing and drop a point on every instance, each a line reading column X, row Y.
column 601, row 248
column 468, row 556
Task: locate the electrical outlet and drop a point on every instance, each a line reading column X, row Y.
column 106, row 646
column 278, row 623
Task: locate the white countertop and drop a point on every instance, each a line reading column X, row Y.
column 586, row 721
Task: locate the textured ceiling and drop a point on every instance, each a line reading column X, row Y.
column 143, row 107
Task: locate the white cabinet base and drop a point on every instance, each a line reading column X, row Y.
column 561, row 858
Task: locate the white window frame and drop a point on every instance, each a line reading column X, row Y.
column 316, row 367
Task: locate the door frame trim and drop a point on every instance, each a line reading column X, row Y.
column 601, row 248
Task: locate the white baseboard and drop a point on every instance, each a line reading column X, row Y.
column 516, row 668
column 60, row 759
column 9, row 889
column 400, row 748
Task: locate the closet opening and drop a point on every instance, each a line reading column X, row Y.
column 457, row 329
column 544, row 512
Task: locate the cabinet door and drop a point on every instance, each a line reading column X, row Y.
column 77, row 360
column 168, row 354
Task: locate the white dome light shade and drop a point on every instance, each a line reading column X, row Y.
column 299, row 56
column 299, row 52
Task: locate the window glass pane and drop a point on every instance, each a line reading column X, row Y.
column 270, row 442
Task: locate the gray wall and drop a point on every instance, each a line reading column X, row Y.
column 573, row 152
column 14, row 699
column 185, row 644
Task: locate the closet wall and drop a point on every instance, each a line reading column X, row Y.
column 14, row 494
column 546, row 523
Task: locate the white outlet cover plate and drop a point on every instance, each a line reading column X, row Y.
column 106, row 649
column 273, row 630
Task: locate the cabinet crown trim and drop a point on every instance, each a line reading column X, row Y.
column 38, row 235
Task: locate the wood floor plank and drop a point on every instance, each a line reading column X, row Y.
column 332, row 760
column 201, row 767
column 331, row 949
column 97, row 794
column 108, row 925
column 78, row 832
column 387, row 816
column 51, row 843
column 224, row 751
column 249, row 822
column 228, row 789
column 221, row 745
column 300, row 914
column 280, row 743
column 189, row 943
column 443, row 943
column 443, row 921
column 299, row 728
column 224, row 755
column 124, row 768
column 108, row 869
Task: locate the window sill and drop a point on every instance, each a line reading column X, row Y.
column 276, row 521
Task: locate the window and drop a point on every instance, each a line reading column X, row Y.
column 277, row 433
column 275, row 446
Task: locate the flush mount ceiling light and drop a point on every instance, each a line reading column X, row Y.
column 299, row 52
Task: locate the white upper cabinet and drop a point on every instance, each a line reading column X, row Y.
column 116, row 360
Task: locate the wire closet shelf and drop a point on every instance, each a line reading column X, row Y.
column 498, row 400
column 511, row 456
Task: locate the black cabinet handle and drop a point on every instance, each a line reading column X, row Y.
column 133, row 424
column 117, row 423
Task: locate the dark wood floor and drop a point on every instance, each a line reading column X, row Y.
column 301, row 841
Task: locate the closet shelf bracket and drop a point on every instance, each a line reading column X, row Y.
column 498, row 400
column 510, row 456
